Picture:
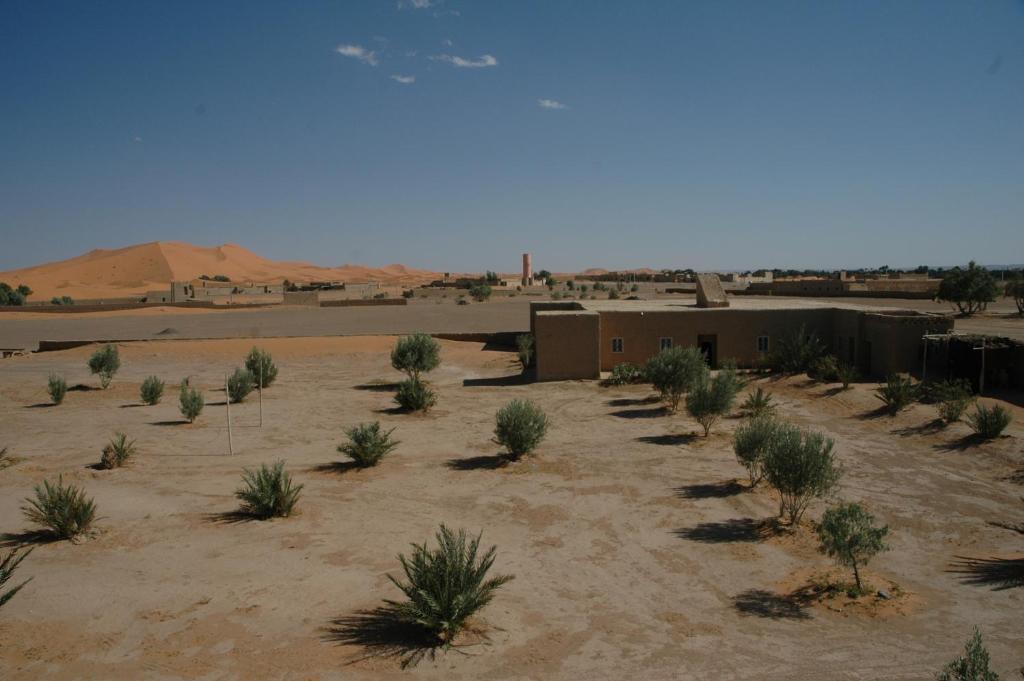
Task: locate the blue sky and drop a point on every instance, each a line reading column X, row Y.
column 712, row 135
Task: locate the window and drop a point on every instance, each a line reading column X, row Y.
column 665, row 343
column 762, row 343
column 616, row 345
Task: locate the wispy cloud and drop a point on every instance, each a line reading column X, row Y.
column 404, row 80
column 483, row 62
column 551, row 104
column 358, row 52
column 416, row 4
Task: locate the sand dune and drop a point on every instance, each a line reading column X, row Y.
column 132, row 270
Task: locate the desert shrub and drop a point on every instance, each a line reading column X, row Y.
column 519, row 427
column 583, row 288
column 105, row 362
column 190, row 402
column 408, row 293
column 416, row 354
column 480, row 292
column 952, row 398
column 634, row 288
column 240, row 384
column 414, row 395
column 969, row 290
column 8, row 565
column 117, row 451
column 367, row 444
column 847, row 532
column 825, row 369
column 710, row 399
column 794, row 353
column 446, row 586
column 57, row 387
column 750, row 443
column 261, row 365
column 625, row 373
column 847, row 374
column 152, row 390
column 5, row 458
column 897, row 393
column 13, row 296
column 461, row 301
column 989, row 423
column 800, row 466
column 973, row 665
column 524, row 347
column 758, row 403
column 62, row 300
column 600, row 286
column 268, row 492
column 675, row 371
column 613, row 294
column 1015, row 289
column 63, row 510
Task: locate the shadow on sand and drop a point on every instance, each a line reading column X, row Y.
column 497, row 381
column 761, row 603
column 668, row 440
column 478, row 463
column 734, row 530
column 714, row 490
column 998, row 573
column 653, row 413
column 382, row 633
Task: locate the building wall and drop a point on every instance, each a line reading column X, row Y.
column 567, row 345
column 310, row 298
column 895, row 341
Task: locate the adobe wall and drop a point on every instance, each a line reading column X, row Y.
column 896, row 340
column 566, row 345
column 307, row 298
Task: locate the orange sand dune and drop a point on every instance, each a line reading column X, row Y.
column 133, row 270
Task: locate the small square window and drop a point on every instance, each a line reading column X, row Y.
column 616, row 345
column 665, row 343
column 762, row 343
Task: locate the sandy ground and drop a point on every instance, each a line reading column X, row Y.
column 636, row 553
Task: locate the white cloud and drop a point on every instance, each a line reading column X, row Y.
column 358, row 52
column 404, row 80
column 137, row 139
column 550, row 104
column 483, row 62
column 448, row 42
column 416, row 4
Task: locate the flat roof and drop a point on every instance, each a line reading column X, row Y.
column 735, row 303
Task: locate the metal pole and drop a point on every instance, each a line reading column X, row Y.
column 227, row 404
column 261, row 394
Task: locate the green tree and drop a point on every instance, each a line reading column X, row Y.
column 969, row 290
column 674, row 371
column 847, row 532
column 750, row 443
column 262, row 366
column 796, row 352
column 11, row 296
column 710, row 399
column 416, row 354
column 480, row 292
column 105, row 362
column 524, row 346
column 801, row 466
column 972, row 665
column 1015, row 289
column 519, row 427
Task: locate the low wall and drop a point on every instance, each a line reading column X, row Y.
column 71, row 309
column 363, row 302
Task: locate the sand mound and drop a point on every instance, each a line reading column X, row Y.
column 133, row 270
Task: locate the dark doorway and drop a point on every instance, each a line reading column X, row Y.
column 709, row 348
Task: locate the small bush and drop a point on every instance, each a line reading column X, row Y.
column 240, row 384
column 973, row 665
column 117, row 451
column 105, row 362
column 674, row 371
column 613, row 294
column 64, row 511
column 524, row 346
column 758, row 403
column 367, row 444
column 7, row 567
column 795, row 353
column 446, row 586
column 897, row 393
column 461, row 301
column 416, row 354
column 989, row 423
column 414, row 395
column 825, row 369
column 847, row 374
column 5, row 459
column 800, row 466
column 408, row 293
column 480, row 292
column 520, row 427
column 62, row 300
column 750, row 443
column 626, row 374
column 261, row 365
column 190, row 402
column 268, row 492
column 711, row 399
column 952, row 398
column 57, row 387
column 152, row 390
column 847, row 532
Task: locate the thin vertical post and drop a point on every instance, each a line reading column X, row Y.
column 261, row 394
column 227, row 404
column 981, row 380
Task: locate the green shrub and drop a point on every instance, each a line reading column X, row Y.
column 613, row 294
column 13, row 296
column 408, row 293
column 462, row 301
column 847, row 532
column 261, row 365
column 5, row 459
column 952, row 398
column 7, row 567
column 416, row 354
column 800, row 466
column 268, row 492
column 750, row 443
column 105, row 362
column 674, row 371
column 634, row 288
column 625, row 373
column 446, row 586
column 190, row 402
column 825, row 369
column 524, row 346
column 847, row 374
column 897, row 393
column 117, row 451
column 711, row 399
column 758, row 403
column 64, row 511
column 414, row 395
column 794, row 353
column 973, row 665
column 63, row 300
column 989, row 423
column 57, row 387
column 152, row 390
column 519, row 427
column 480, row 292
column 367, row 444
column 240, row 384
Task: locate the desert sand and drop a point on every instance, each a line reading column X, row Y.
column 637, row 549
